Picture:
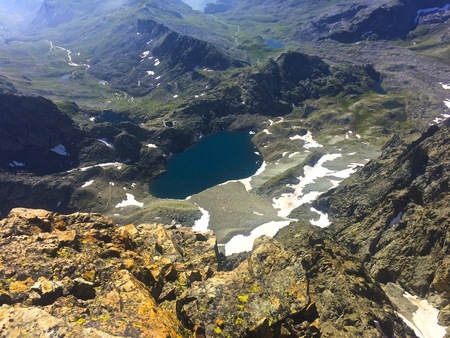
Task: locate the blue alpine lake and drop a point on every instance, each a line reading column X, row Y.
column 215, row 159
column 274, row 44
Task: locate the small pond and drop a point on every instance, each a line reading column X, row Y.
column 66, row 77
column 215, row 159
column 112, row 117
column 274, row 44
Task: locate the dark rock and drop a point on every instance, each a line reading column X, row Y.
column 5, row 298
column 83, row 289
column 6, row 87
column 29, row 128
column 168, row 293
column 128, row 146
column 392, row 20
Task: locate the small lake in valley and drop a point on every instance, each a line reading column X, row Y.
column 215, row 159
column 274, row 44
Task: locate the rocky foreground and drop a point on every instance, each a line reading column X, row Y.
column 81, row 275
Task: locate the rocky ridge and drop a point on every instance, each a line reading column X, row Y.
column 81, row 275
column 155, row 55
column 274, row 89
column 393, row 215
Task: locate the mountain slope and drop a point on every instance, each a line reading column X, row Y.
column 394, row 213
column 345, row 21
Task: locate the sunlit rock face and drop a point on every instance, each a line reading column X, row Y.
column 171, row 282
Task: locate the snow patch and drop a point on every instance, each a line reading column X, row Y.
column 151, row 145
column 60, row 150
column 286, row 203
column 445, row 86
column 104, row 140
column 130, row 201
column 396, row 219
column 425, row 319
column 345, row 173
column 271, row 122
column 202, row 224
column 267, row 132
column 308, row 139
column 150, row 72
column 145, row 54
column 241, row 243
column 247, row 181
column 87, row 184
column 444, row 117
column 323, row 220
column 16, row 164
column 117, row 165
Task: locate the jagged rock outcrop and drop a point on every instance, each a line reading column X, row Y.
column 276, row 88
column 394, row 213
column 84, row 273
column 153, row 55
column 81, row 275
column 182, row 52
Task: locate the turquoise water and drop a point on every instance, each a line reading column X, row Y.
column 215, row 159
column 274, row 44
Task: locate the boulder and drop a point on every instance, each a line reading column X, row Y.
column 45, row 292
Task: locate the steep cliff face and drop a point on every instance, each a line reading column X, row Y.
column 80, row 275
column 394, row 213
column 30, row 127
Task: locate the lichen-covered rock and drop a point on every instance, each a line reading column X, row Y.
column 267, row 288
column 75, row 266
column 81, row 275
